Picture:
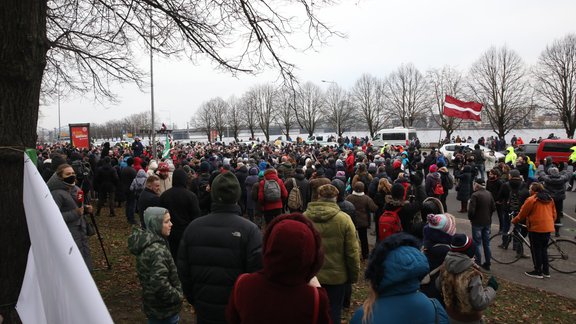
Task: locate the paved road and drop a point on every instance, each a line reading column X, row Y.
column 559, row 283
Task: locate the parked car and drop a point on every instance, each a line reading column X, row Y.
column 323, row 140
column 529, row 150
column 449, row 149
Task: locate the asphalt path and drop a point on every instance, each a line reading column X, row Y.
column 559, row 283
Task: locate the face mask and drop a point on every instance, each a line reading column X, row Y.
column 70, row 179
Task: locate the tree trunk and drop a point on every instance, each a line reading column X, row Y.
column 22, row 62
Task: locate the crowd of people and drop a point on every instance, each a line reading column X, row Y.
column 261, row 233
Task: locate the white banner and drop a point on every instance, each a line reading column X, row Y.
column 58, row 287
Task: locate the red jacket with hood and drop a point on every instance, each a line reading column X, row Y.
column 279, row 293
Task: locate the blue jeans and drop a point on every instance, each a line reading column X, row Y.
column 481, row 237
column 336, row 295
column 174, row 319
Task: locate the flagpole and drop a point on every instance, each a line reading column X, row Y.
column 153, row 145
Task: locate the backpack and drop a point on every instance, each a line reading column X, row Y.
column 137, row 186
column 294, row 198
column 438, row 189
column 449, row 181
column 271, row 191
column 389, row 223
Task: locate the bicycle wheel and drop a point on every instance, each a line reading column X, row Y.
column 562, row 255
column 502, row 249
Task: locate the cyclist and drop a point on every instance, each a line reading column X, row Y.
column 540, row 213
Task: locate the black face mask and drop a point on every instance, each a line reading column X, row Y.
column 70, row 179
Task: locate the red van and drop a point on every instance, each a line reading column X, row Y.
column 557, row 149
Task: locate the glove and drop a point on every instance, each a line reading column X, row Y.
column 493, row 283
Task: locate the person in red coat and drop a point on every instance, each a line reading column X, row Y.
column 271, row 209
column 286, row 289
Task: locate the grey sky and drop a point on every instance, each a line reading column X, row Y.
column 381, row 35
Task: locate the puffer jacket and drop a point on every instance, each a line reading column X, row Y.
column 398, row 292
column 340, row 242
column 215, row 249
column 539, row 212
column 161, row 289
column 556, row 184
column 363, row 205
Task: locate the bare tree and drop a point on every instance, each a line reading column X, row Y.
column 90, row 44
column 555, row 75
column 442, row 82
column 309, row 106
column 406, row 94
column 250, row 111
column 219, row 109
column 498, row 79
column 264, row 103
column 339, row 109
column 367, row 98
column 204, row 121
column 285, row 113
column 234, row 116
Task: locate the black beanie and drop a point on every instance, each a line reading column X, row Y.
column 461, row 243
column 398, row 191
column 225, row 189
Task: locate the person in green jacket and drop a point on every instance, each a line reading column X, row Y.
column 161, row 289
column 340, row 243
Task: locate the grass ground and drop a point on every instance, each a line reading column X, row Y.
column 120, row 288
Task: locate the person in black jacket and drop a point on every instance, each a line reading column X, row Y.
column 217, row 248
column 407, row 211
column 105, row 182
column 183, row 206
column 150, row 197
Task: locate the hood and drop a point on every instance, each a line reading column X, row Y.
column 510, row 149
column 404, row 267
column 515, row 183
column 153, row 218
column 55, row 183
column 141, row 174
column 434, row 236
column 292, row 250
column 140, row 239
column 242, row 169
column 137, row 161
column 271, row 174
column 322, row 211
column 253, row 171
column 457, row 262
column 153, row 165
column 544, row 196
column 179, row 178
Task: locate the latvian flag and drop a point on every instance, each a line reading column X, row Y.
column 461, row 109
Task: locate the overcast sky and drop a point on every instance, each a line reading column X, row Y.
column 381, row 35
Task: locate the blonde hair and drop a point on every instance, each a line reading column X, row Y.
column 384, row 186
column 368, row 307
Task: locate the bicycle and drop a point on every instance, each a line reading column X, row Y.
column 507, row 248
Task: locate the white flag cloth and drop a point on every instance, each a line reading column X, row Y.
column 58, row 287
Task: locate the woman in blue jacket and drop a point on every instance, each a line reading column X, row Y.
column 395, row 269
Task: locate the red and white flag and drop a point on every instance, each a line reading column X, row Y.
column 462, row 109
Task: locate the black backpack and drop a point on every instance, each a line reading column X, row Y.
column 514, row 201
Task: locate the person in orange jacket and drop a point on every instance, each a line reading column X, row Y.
column 540, row 213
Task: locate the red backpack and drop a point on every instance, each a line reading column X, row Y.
column 389, row 223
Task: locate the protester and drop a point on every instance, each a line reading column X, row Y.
column 461, row 283
column 271, row 194
column 161, row 289
column 150, row 197
column 215, row 249
column 555, row 183
column 64, row 192
column 340, row 242
column 363, row 206
column 105, row 183
column 539, row 213
column 286, row 289
column 394, row 271
column 480, row 210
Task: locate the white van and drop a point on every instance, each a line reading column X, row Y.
column 393, row 136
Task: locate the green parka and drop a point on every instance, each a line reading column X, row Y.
column 340, row 242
